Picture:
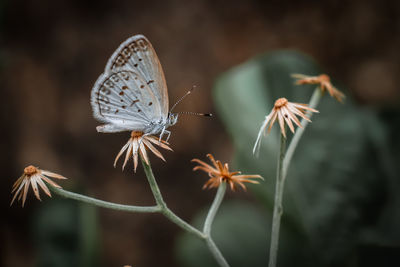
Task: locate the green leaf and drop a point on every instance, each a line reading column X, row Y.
column 334, row 183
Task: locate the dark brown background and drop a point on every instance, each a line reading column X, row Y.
column 53, row 51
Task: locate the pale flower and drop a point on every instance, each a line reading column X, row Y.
column 139, row 143
column 285, row 113
column 35, row 177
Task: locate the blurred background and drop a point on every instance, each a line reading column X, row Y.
column 52, row 53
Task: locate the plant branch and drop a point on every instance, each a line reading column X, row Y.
column 216, row 252
column 284, row 160
column 164, row 209
column 214, row 208
column 104, row 204
column 315, row 98
column 278, row 210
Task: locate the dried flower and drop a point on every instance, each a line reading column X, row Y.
column 220, row 173
column 324, row 83
column 138, row 143
column 35, row 177
column 284, row 111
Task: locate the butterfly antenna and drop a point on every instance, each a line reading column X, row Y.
column 195, row 113
column 183, row 97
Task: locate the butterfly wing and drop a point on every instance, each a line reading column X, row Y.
column 124, row 101
column 137, row 54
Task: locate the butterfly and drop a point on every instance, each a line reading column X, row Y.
column 131, row 94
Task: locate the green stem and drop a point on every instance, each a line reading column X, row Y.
column 178, row 221
column 315, row 98
column 283, row 166
column 164, row 209
column 208, row 225
column 278, row 210
column 214, row 208
column 153, row 185
column 103, row 204
column 216, row 252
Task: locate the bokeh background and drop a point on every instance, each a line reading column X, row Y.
column 52, row 53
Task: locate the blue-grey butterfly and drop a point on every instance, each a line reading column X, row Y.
column 131, row 94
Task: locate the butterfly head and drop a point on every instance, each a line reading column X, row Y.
column 172, row 119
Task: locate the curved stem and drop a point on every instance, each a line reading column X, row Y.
column 283, row 165
column 103, row 204
column 315, row 98
column 278, row 210
column 164, row 209
column 214, row 208
column 208, row 224
column 153, row 184
column 181, row 223
column 216, row 252
column 184, row 225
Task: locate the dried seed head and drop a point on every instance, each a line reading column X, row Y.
column 324, row 83
column 280, row 102
column 136, row 134
column 324, row 78
column 38, row 179
column 30, row 170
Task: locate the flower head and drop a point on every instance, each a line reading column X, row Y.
column 324, row 83
column 138, row 143
column 285, row 112
column 33, row 176
column 220, row 173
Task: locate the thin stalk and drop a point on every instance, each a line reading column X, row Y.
column 284, row 160
column 208, row 225
column 214, row 208
column 184, row 225
column 216, row 252
column 164, row 209
column 153, row 184
column 315, row 98
column 181, row 223
column 104, row 204
column 278, row 210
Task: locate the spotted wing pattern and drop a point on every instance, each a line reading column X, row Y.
column 137, row 54
column 124, row 101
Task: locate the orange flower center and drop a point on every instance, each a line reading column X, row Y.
column 324, row 78
column 226, row 178
column 30, row 170
column 136, row 134
column 280, row 102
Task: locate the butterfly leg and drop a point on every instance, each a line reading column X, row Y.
column 169, row 134
column 162, row 134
